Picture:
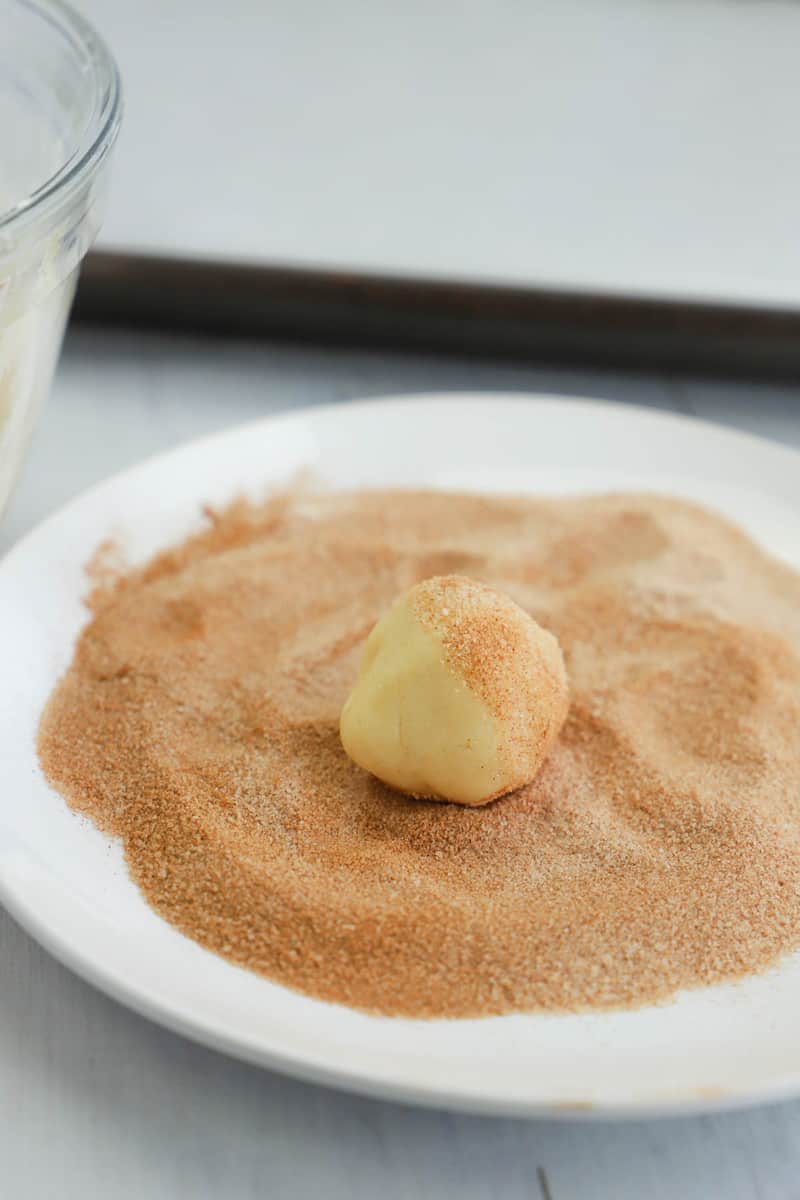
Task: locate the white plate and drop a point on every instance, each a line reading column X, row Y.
column 67, row 884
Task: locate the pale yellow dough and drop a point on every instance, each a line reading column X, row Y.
column 460, row 694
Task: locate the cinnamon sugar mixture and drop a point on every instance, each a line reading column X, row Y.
column 658, row 848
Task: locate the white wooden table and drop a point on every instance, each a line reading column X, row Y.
column 97, row 1102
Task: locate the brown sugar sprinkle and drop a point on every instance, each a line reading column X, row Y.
column 658, row 848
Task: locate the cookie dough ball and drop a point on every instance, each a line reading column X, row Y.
column 460, row 694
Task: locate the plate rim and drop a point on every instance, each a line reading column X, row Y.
column 289, row 416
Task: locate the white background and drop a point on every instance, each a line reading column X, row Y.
column 640, row 146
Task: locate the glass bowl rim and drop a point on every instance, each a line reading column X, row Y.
column 101, row 132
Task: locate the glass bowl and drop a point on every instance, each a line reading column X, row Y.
column 60, row 108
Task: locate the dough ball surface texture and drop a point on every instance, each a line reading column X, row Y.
column 460, row 694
